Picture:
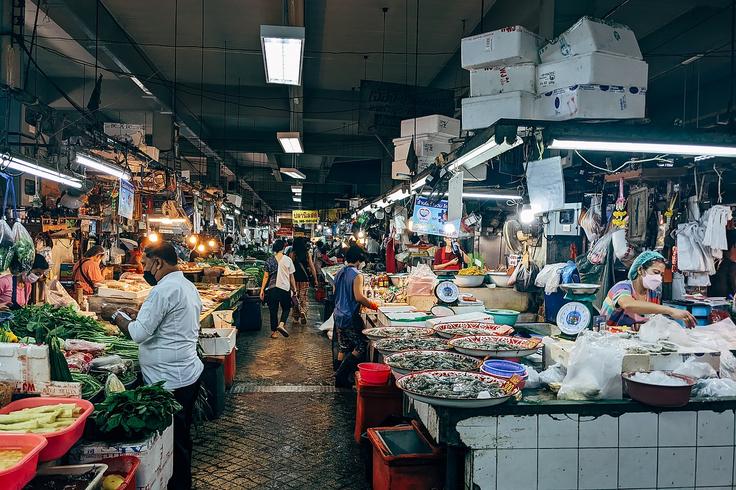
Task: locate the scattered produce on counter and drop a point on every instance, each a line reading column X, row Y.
column 472, row 271
column 135, row 414
column 10, row 457
column 40, row 420
column 112, row 481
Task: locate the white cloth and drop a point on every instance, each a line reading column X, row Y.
column 715, row 220
column 167, row 331
column 372, row 246
column 286, row 269
column 549, row 277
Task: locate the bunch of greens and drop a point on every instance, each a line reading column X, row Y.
column 90, row 385
column 135, row 414
column 58, row 366
column 43, row 321
column 125, row 348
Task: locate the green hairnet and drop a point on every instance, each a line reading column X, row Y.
column 644, row 258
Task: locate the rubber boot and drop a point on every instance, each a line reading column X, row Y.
column 342, row 375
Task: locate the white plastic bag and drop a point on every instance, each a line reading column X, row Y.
column 549, row 277
column 728, row 365
column 594, row 370
column 553, row 374
column 24, row 251
column 421, row 281
column 696, row 368
column 599, row 250
column 714, row 388
column 622, row 249
column 328, row 325
column 532, row 378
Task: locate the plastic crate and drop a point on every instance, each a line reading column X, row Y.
column 125, row 466
column 16, row 477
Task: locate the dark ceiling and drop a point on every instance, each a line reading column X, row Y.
column 219, row 92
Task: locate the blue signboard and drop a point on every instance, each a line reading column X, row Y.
column 431, row 219
column 126, row 199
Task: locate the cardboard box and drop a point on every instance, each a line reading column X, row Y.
column 481, row 112
column 400, row 170
column 220, row 345
column 425, row 145
column 591, row 69
column 590, row 35
column 591, row 102
column 500, row 79
column 507, row 46
column 437, row 125
column 155, row 453
column 25, row 365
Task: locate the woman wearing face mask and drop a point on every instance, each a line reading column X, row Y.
column 629, row 300
column 16, row 290
column 448, row 256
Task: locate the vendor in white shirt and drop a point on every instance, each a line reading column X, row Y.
column 167, row 329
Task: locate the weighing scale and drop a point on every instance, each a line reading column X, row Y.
column 578, row 314
column 447, row 294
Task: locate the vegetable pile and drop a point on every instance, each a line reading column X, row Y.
column 40, row 420
column 472, row 271
column 135, row 414
column 42, row 321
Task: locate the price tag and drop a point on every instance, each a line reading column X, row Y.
column 512, row 384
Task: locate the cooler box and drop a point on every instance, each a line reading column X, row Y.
column 405, row 459
column 500, row 79
column 481, row 112
column 507, row 46
column 591, row 69
column 425, row 145
column 590, row 35
column 591, row 102
column 436, row 124
column 375, row 404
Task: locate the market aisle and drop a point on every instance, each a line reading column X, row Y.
column 284, row 425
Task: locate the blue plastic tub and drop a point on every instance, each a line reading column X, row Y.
column 504, row 317
column 501, row 368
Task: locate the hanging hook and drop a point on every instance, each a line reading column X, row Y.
column 720, row 180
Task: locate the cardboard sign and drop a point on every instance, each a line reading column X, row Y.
column 305, row 216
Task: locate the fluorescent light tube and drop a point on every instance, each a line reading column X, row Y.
column 283, row 54
column 140, row 85
column 293, row 173
column 482, row 153
column 484, row 195
column 22, row 165
column 297, row 198
column 290, row 142
column 237, row 211
column 101, row 166
column 635, row 147
column 296, row 189
column 166, row 221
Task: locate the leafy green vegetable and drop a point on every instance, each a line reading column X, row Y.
column 57, row 362
column 135, row 414
column 42, row 321
column 90, row 385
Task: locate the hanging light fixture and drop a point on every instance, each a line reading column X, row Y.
column 294, row 173
column 291, row 142
column 24, row 165
column 283, row 54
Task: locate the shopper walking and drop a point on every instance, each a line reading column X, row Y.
column 348, row 298
column 303, row 266
column 278, row 283
column 167, row 329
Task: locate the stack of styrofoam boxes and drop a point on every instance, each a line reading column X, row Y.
column 431, row 136
column 594, row 70
column 503, row 75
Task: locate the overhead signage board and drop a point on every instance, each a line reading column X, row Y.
column 431, row 219
column 126, row 200
column 383, row 105
column 305, row 216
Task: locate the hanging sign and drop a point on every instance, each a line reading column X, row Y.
column 126, row 199
column 305, row 216
column 431, row 218
column 285, row 231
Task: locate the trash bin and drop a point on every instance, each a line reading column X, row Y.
column 404, row 459
column 249, row 319
column 213, row 379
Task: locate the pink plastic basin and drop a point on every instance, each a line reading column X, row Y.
column 374, row 373
column 58, row 442
column 16, row 477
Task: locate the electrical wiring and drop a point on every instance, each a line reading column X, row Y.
column 659, row 158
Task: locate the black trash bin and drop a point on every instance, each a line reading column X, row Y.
column 213, row 380
column 249, row 319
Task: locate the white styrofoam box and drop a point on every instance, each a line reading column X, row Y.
column 25, row 365
column 222, row 318
column 590, row 35
column 590, row 69
column 670, row 361
column 507, row 46
column 400, row 170
column 464, row 317
column 425, row 145
column 155, row 454
column 221, row 345
column 590, row 102
column 500, row 79
column 436, row 124
column 481, row 112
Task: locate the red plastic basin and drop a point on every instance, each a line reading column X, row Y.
column 16, row 477
column 58, row 442
column 125, row 466
column 374, row 373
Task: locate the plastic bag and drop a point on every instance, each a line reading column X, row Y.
column 6, row 245
column 24, row 250
column 328, row 325
column 77, row 345
column 549, row 277
column 623, row 250
column 599, row 250
column 728, row 365
column 421, row 281
column 56, row 295
column 594, row 370
column 714, row 387
column 525, row 278
column 696, row 368
column 553, row 374
column 532, row 378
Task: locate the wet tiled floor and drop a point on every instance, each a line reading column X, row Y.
column 284, row 425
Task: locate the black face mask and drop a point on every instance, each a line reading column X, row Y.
column 150, row 278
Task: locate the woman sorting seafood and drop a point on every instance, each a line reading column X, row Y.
column 627, row 301
column 348, row 322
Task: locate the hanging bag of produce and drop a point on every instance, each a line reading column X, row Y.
column 526, row 276
column 6, row 244
column 23, row 250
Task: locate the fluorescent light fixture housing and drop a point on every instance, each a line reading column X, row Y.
column 290, row 142
column 297, row 189
column 641, row 147
column 294, row 173
column 283, row 54
column 23, row 165
column 101, row 166
column 297, row 198
column 482, row 153
column 485, row 195
column 167, row 221
column 141, row 86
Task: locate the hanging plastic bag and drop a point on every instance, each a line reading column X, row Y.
column 23, row 250
column 599, row 250
column 525, row 277
column 594, row 370
column 6, row 245
column 623, row 250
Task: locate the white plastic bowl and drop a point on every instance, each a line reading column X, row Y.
column 469, row 281
column 500, row 279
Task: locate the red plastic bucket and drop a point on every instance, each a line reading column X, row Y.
column 125, row 466
column 374, row 373
column 17, row 476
